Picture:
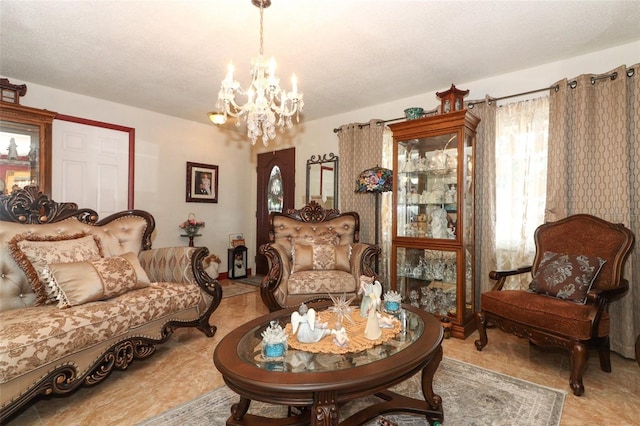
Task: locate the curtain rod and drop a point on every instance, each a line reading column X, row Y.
column 571, row 84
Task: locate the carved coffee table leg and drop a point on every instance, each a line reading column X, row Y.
column 240, row 408
column 325, row 410
column 434, row 401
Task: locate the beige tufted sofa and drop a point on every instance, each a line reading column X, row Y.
column 46, row 350
column 297, row 271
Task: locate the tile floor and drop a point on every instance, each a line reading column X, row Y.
column 182, row 369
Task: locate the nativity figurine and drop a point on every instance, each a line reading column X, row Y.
column 340, row 338
column 372, row 330
column 305, row 327
column 366, row 287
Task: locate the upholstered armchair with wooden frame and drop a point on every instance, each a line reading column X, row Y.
column 312, row 253
column 560, row 309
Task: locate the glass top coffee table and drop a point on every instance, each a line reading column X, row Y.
column 319, row 383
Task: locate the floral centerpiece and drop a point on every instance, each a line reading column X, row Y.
column 191, row 226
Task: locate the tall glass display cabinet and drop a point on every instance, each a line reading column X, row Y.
column 433, row 216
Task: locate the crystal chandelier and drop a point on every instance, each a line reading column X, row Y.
column 267, row 106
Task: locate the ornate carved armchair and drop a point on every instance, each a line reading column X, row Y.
column 312, row 253
column 566, row 305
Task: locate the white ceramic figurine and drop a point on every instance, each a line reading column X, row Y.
column 305, row 327
column 372, row 330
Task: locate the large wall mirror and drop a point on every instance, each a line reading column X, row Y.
column 25, row 147
column 322, row 180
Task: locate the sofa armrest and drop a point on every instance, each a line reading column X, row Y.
column 180, row 264
column 273, row 294
column 501, row 276
column 363, row 258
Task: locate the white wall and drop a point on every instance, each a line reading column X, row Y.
column 164, row 144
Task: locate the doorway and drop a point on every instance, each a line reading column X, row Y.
column 93, row 164
column 276, row 192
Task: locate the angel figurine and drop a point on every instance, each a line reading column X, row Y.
column 372, row 329
column 304, row 324
column 366, row 286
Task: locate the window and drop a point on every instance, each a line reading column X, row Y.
column 522, row 130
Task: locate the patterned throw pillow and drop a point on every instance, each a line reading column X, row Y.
column 566, row 276
column 321, row 257
column 75, row 283
column 33, row 252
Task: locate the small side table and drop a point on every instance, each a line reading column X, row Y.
column 191, row 237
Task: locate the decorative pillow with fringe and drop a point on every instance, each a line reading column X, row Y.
column 75, row 283
column 33, row 252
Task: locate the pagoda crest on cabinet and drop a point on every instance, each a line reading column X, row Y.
column 433, row 216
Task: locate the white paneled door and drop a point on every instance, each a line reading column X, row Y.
column 90, row 166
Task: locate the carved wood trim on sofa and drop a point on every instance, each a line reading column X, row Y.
column 31, row 207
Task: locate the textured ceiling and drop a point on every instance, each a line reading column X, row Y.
column 170, row 56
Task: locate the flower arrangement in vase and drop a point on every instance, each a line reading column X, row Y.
column 191, row 226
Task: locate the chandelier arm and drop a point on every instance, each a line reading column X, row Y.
column 237, row 108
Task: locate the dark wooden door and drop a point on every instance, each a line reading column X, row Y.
column 276, row 192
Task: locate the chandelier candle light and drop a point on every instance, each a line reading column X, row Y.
column 268, row 106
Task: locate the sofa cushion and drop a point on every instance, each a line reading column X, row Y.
column 321, row 282
column 39, row 335
column 566, row 276
column 545, row 312
column 33, row 252
column 321, row 257
column 75, row 283
column 157, row 300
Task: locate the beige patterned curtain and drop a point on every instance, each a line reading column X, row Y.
column 485, row 196
column 360, row 148
column 594, row 162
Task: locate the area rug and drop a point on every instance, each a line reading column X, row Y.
column 470, row 396
column 235, row 289
column 255, row 280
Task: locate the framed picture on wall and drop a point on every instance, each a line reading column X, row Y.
column 202, row 183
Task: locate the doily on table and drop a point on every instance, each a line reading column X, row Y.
column 355, row 332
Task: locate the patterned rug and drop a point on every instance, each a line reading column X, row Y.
column 235, row 289
column 471, row 396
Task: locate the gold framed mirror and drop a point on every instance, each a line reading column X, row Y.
column 322, row 180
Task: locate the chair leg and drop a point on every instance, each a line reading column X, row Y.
column 578, row 358
column 481, row 325
column 604, row 353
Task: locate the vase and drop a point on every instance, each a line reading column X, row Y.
column 273, row 351
column 413, row 113
column 191, row 231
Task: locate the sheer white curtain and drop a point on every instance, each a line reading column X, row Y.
column 386, row 228
column 522, row 130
